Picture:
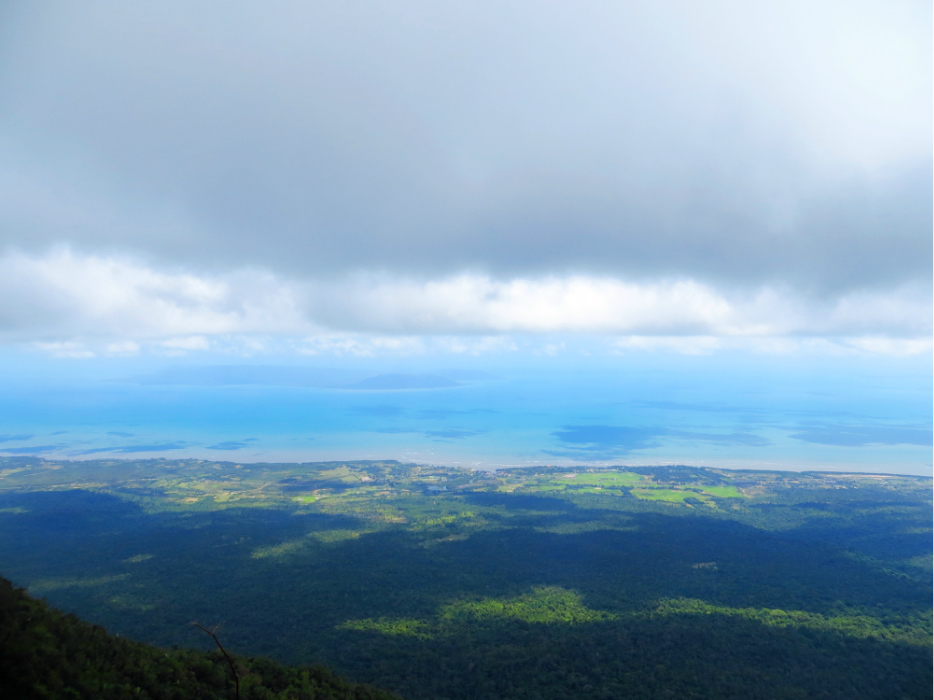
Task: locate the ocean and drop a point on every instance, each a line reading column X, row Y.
column 727, row 409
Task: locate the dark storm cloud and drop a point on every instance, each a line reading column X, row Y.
column 727, row 143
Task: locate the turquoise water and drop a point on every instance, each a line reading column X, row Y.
column 736, row 410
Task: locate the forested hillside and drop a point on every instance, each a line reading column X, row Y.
column 45, row 653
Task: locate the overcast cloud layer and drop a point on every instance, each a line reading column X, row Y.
column 703, row 169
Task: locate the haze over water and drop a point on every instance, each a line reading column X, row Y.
column 726, row 410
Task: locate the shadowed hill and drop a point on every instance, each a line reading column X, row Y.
column 47, row 654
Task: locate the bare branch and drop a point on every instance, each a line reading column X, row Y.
column 213, row 635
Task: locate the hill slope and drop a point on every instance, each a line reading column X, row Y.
column 47, row 654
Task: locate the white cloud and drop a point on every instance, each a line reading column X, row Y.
column 68, row 349
column 63, row 295
column 472, row 345
column 361, row 345
column 194, row 342
column 898, row 347
column 771, row 345
column 64, row 298
column 587, row 304
column 123, row 347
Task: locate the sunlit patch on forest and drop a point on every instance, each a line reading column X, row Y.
column 47, row 585
column 552, row 605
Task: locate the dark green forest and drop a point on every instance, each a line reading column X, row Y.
column 45, row 653
column 540, row 583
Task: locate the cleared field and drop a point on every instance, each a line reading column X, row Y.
column 671, row 495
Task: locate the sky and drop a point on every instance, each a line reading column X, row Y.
column 572, row 198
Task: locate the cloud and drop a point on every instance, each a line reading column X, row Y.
column 403, row 178
column 194, row 342
column 585, row 304
column 864, row 435
column 64, row 300
column 899, row 347
column 69, row 349
column 753, row 145
column 122, row 348
column 460, row 345
column 66, row 295
column 360, row 344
